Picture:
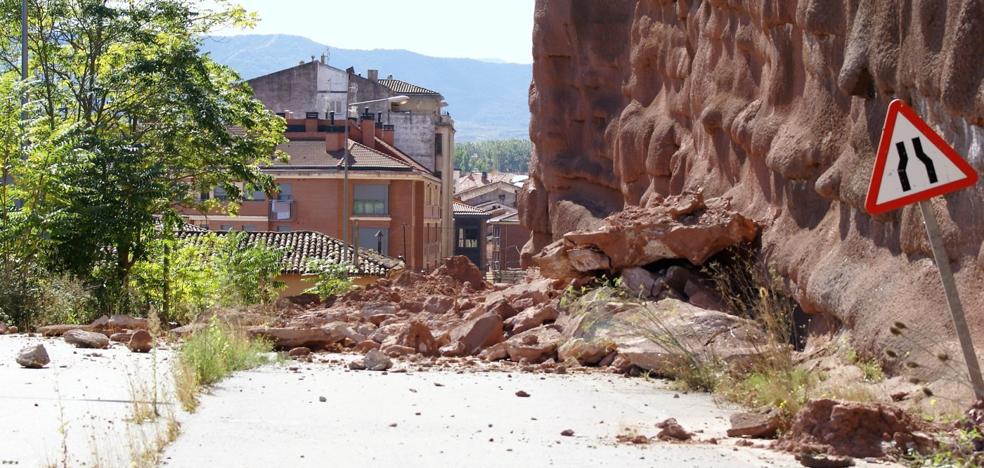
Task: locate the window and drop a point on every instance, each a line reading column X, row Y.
column 468, row 238
column 371, row 200
column 249, row 228
column 255, row 195
column 221, row 194
column 204, row 196
column 369, row 239
column 225, row 227
column 286, row 192
column 438, row 144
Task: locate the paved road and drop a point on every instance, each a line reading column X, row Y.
column 75, row 411
column 273, row 417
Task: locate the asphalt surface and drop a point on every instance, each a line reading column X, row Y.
column 78, row 412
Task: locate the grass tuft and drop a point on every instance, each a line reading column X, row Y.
column 213, row 353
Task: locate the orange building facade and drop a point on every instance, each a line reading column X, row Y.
column 393, row 201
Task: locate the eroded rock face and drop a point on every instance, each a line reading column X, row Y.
column 777, row 107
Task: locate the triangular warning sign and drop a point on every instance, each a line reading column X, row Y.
column 913, row 163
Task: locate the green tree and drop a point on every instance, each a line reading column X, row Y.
column 500, row 155
column 128, row 122
column 248, row 273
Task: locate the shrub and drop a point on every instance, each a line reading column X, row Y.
column 247, row 275
column 188, row 274
column 333, row 278
column 213, row 353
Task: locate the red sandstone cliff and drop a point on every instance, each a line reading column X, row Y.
column 778, row 106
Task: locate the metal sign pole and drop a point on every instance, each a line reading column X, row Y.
column 952, row 298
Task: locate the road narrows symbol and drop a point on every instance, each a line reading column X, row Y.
column 946, row 171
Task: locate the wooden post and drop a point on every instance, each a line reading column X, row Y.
column 952, row 298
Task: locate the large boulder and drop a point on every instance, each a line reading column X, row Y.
column 140, row 342
column 533, row 317
column 479, row 333
column 658, row 336
column 462, row 270
column 59, row 330
column 585, row 352
column 682, row 227
column 375, row 360
column 418, row 337
column 314, row 338
column 33, row 357
column 86, row 339
column 534, row 345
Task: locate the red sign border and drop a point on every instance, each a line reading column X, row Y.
column 894, row 108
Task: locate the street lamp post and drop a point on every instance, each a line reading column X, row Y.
column 401, row 99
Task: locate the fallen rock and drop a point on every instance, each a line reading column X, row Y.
column 117, row 323
column 534, row 345
column 140, row 342
column 820, row 460
column 462, row 270
column 682, row 226
column 438, row 304
column 522, row 394
column 33, row 357
column 847, row 428
column 533, row 317
column 567, row 433
column 86, row 339
column 638, row 332
column 289, row 338
column 496, row 352
column 59, row 330
column 299, row 351
column 754, row 424
column 12, row 329
column 670, row 429
column 585, row 352
column 365, row 346
column 357, row 365
column 588, row 259
column 502, row 308
column 641, row 283
column 121, row 337
column 375, row 360
column 418, row 338
column 479, row 333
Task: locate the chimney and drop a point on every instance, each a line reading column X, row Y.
column 485, row 177
column 311, row 122
column 324, row 59
column 368, row 125
column 335, row 140
column 331, row 117
column 389, row 134
column 373, row 75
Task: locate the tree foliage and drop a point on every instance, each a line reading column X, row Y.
column 500, row 155
column 126, row 123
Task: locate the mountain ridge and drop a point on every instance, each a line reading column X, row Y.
column 488, row 100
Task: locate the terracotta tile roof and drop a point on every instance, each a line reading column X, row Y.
column 302, row 246
column 480, row 190
column 464, row 209
column 313, row 154
column 510, row 216
column 468, row 180
column 402, row 87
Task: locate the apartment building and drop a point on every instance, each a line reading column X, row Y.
column 393, row 201
column 421, row 129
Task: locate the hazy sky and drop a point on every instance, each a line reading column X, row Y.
column 481, row 29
